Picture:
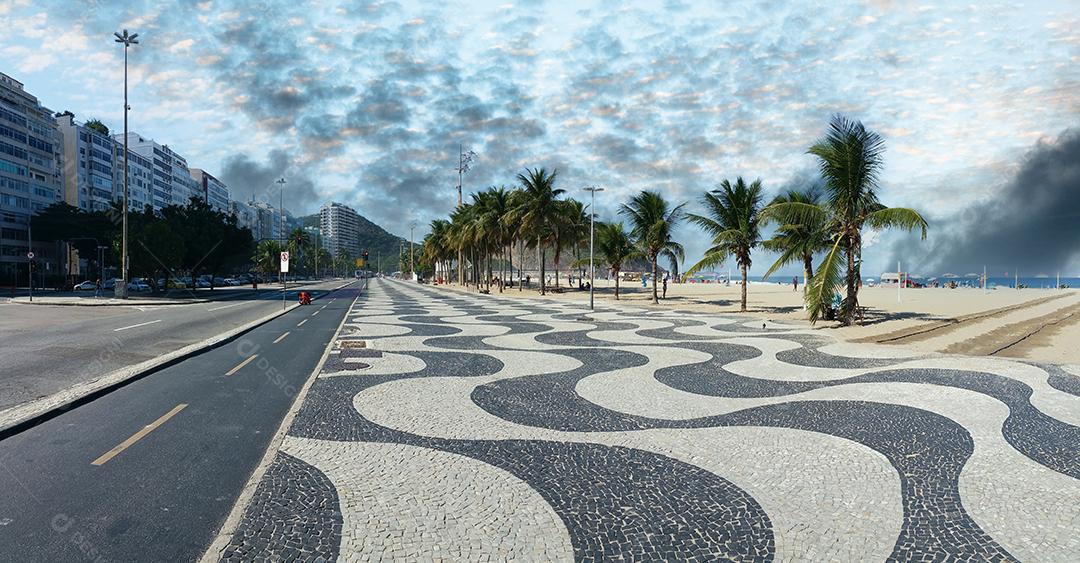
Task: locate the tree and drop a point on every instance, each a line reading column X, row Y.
column 850, row 159
column 571, row 225
column 652, row 221
column 793, row 239
column 96, row 125
column 614, row 246
column 537, row 211
column 733, row 219
column 266, row 257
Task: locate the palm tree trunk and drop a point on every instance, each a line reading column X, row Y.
column 521, row 265
column 616, row 272
column 543, row 282
column 808, row 269
column 743, row 266
column 654, row 299
column 510, row 259
column 852, row 291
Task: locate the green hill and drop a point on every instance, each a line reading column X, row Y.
column 375, row 239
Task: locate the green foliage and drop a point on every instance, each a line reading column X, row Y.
column 850, row 159
column 652, row 223
column 733, row 219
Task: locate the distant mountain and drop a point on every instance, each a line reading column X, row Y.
column 375, row 239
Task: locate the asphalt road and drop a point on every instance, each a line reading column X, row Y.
column 78, row 344
column 150, row 471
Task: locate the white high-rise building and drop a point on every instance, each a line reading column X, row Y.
column 340, row 226
column 94, row 168
column 212, row 190
column 172, row 183
column 246, row 217
column 30, row 178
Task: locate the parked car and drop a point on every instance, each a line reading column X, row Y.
column 85, row 286
column 109, row 284
column 219, row 282
column 202, row 283
column 138, row 286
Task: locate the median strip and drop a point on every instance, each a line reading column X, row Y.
column 242, row 364
column 136, row 326
column 137, row 436
column 280, row 338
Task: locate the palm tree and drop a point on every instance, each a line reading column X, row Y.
column 733, row 218
column 437, row 248
column 495, row 228
column 266, row 256
column 652, row 221
column 795, row 240
column 537, row 211
column 570, row 226
column 850, row 159
column 297, row 242
column 614, row 246
column 342, row 257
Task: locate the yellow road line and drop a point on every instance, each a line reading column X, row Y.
column 301, row 322
column 242, row 364
column 137, row 436
column 282, row 337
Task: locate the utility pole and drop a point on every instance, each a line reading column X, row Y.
column 412, row 261
column 592, row 260
column 121, row 288
column 30, row 255
column 281, row 234
column 463, row 166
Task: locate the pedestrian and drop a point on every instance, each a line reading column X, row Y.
column 665, row 288
column 97, row 288
column 795, row 283
column 528, row 280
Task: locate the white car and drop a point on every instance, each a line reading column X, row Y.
column 86, row 286
column 138, row 286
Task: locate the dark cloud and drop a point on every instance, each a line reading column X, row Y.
column 1032, row 223
column 250, row 180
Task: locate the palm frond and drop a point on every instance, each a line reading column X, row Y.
column 822, row 287
column 897, row 217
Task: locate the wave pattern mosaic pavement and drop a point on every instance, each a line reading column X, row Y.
column 478, row 427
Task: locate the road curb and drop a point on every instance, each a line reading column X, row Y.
column 232, row 521
column 23, row 417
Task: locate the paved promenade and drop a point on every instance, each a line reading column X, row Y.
column 478, row 428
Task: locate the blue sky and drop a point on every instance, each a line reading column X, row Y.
column 366, row 102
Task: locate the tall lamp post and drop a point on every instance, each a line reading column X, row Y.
column 464, row 159
column 121, row 288
column 412, row 261
column 281, row 232
column 592, row 221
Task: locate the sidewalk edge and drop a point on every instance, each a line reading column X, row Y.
column 232, row 521
column 27, row 415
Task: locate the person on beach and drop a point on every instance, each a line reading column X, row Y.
column 795, row 283
column 665, row 287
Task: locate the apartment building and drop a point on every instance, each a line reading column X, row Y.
column 30, row 179
column 212, row 190
column 172, row 184
column 340, row 226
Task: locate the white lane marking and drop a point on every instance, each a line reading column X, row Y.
column 301, row 322
column 315, row 313
column 138, row 325
column 225, row 307
column 282, row 337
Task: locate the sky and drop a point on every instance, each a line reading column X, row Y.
column 366, row 103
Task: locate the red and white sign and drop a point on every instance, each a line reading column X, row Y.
column 30, row 255
column 284, row 262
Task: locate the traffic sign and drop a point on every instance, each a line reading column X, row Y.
column 30, row 255
column 284, row 262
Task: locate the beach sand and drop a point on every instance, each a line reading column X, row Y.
column 1034, row 324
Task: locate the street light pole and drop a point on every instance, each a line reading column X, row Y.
column 121, row 289
column 281, row 234
column 592, row 221
column 464, row 158
column 412, row 261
